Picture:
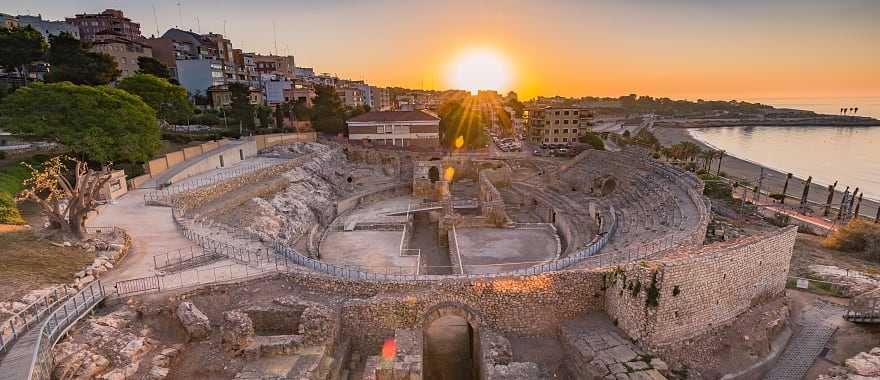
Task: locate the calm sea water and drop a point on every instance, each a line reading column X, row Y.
column 849, row 155
column 867, row 105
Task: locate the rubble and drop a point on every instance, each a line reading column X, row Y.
column 238, row 331
column 865, row 365
column 193, row 320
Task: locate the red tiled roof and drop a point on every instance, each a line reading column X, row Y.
column 391, row 116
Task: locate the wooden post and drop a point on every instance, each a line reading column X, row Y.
column 843, row 204
column 851, row 201
column 785, row 188
column 830, row 198
column 806, row 193
column 858, row 206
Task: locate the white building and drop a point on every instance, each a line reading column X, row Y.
column 398, row 128
column 48, row 28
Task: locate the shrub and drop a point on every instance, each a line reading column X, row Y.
column 777, row 196
column 8, row 210
column 716, row 188
column 2, row 154
column 857, row 236
column 593, row 140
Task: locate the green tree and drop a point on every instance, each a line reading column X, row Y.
column 150, row 65
column 168, row 100
column 101, row 123
column 459, row 123
column 300, row 111
column 241, row 107
column 19, row 47
column 328, row 115
column 264, row 115
column 593, row 140
column 71, row 61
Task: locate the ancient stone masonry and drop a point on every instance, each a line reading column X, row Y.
column 492, row 203
column 691, row 292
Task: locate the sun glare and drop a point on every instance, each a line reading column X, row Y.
column 480, row 70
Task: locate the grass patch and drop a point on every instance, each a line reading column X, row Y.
column 857, row 236
column 30, row 262
column 11, row 178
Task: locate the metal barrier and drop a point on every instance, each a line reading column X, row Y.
column 57, row 323
column 864, row 308
column 21, row 322
column 137, row 285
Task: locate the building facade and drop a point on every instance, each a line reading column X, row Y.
column 557, row 125
column 397, row 128
column 351, row 96
column 109, row 20
column 48, row 28
column 124, row 51
column 275, row 64
column 198, row 75
column 10, row 21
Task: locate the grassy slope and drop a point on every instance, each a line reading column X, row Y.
column 11, row 177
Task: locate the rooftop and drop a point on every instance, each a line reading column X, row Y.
column 374, row 116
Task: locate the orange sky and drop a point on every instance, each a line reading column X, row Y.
column 710, row 49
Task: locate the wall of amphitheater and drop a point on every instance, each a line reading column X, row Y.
column 697, row 291
column 517, row 304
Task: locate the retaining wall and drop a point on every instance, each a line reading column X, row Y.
column 698, row 290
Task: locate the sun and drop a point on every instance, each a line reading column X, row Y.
column 481, row 69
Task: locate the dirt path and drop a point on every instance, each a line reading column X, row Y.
column 152, row 231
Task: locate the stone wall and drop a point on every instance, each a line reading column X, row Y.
column 690, row 292
column 515, row 304
column 492, row 204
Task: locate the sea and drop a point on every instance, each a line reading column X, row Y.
column 850, row 155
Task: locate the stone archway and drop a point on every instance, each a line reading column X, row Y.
column 448, row 356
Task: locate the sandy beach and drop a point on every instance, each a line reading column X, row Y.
column 773, row 181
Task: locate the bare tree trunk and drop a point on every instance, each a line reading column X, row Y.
column 830, row 199
column 785, row 188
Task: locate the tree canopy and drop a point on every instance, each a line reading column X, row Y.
column 168, row 100
column 150, row 65
column 101, row 123
column 20, row 47
column 242, row 109
column 457, row 119
column 71, row 61
column 328, row 114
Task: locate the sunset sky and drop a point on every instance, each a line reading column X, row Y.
column 676, row 48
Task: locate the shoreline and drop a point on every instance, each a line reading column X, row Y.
column 774, row 180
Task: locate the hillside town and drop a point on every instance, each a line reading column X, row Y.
column 176, row 206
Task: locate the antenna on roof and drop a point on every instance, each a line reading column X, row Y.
column 274, row 37
column 156, row 20
column 198, row 25
column 179, row 15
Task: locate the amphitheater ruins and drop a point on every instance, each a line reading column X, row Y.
column 323, row 260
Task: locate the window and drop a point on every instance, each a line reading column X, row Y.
column 565, row 113
column 565, row 130
column 575, row 113
column 565, row 122
column 555, row 121
column 565, row 139
column 557, row 112
column 555, row 139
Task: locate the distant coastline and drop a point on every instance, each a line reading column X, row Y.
column 824, row 121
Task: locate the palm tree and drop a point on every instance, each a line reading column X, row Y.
column 720, row 157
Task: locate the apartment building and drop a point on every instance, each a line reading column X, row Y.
column 109, row 20
column 10, row 21
column 123, row 50
column 398, row 128
column 381, row 99
column 48, row 28
column 351, row 96
column 557, row 125
column 275, row 64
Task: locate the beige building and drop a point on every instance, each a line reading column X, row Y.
column 351, row 96
column 557, row 125
column 398, row 128
column 124, row 51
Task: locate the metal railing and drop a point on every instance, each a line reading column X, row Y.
column 182, row 258
column 30, row 316
column 57, row 323
column 864, row 307
column 161, row 197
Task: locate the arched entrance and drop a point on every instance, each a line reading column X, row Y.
column 451, row 343
column 434, row 174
